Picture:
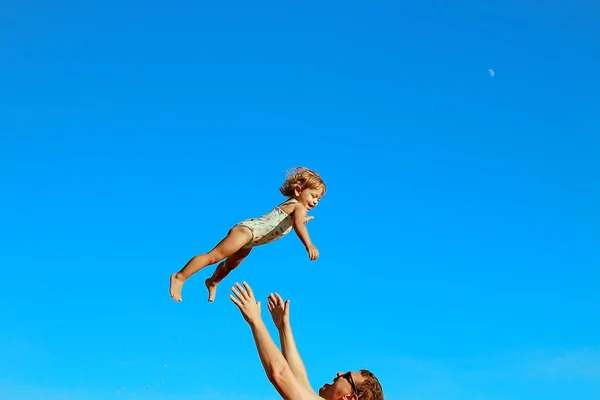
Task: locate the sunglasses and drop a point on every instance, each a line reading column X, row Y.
column 348, row 376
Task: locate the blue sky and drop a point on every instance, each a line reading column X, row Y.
column 458, row 238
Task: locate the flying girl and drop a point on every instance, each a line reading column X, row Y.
column 303, row 189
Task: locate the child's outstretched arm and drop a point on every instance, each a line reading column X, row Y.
column 300, row 220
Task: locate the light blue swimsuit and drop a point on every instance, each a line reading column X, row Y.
column 270, row 227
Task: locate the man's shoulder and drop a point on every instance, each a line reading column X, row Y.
column 307, row 395
column 291, row 389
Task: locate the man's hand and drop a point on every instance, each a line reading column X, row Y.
column 313, row 253
column 280, row 310
column 246, row 302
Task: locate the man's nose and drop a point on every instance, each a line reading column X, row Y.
column 339, row 374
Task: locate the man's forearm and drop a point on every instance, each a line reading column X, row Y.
column 291, row 354
column 270, row 356
column 276, row 367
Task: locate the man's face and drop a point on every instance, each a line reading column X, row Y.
column 343, row 385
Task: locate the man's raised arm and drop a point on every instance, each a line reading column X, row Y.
column 280, row 311
column 276, row 367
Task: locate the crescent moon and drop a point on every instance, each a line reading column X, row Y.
column 491, row 72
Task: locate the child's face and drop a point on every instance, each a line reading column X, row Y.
column 309, row 198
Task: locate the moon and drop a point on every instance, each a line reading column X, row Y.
column 491, row 72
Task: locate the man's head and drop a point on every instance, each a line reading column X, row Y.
column 361, row 385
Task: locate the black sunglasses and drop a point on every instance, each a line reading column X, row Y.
column 348, row 376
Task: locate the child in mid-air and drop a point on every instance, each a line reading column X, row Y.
column 303, row 188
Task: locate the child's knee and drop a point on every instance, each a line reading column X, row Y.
column 215, row 257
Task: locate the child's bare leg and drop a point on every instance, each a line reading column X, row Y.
column 235, row 239
column 223, row 270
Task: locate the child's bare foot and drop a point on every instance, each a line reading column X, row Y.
column 175, row 287
column 212, row 289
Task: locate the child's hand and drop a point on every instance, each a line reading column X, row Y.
column 307, row 218
column 280, row 310
column 313, row 253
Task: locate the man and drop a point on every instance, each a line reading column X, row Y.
column 286, row 371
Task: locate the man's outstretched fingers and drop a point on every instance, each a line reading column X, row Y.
column 235, row 301
column 279, row 299
column 243, row 295
column 249, row 289
column 237, row 294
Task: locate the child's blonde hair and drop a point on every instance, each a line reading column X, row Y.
column 302, row 178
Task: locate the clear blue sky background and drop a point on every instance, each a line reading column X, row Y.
column 459, row 237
